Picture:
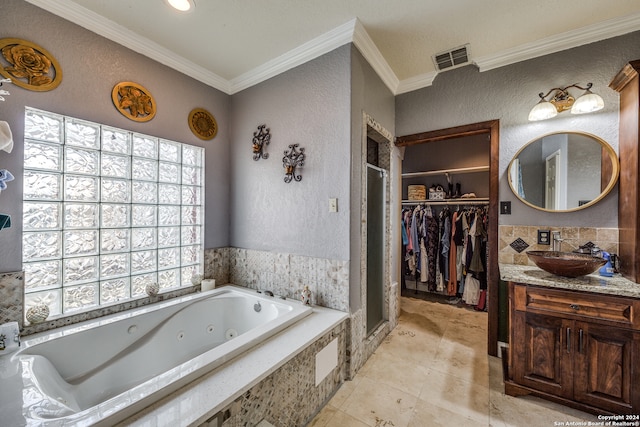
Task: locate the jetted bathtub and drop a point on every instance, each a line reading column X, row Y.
column 102, row 371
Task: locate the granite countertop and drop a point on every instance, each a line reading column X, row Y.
column 532, row 275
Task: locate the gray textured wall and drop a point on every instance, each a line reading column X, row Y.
column 308, row 105
column 91, row 66
column 465, row 95
column 369, row 95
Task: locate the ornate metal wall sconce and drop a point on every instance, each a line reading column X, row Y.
column 260, row 138
column 293, row 158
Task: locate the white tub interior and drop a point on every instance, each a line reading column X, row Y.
column 126, row 360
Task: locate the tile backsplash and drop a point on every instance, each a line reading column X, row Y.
column 516, row 240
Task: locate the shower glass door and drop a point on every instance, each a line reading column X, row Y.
column 376, row 185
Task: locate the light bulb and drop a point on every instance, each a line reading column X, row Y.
column 587, row 103
column 181, row 5
column 543, row 110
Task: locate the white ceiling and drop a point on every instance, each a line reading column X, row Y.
column 234, row 44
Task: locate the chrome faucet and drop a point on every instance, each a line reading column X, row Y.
column 557, row 241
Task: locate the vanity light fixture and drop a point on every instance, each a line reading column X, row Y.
column 562, row 100
column 182, row 5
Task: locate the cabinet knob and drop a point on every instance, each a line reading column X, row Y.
column 575, row 306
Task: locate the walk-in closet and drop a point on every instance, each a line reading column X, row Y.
column 449, row 218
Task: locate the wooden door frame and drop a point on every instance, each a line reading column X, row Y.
column 492, row 128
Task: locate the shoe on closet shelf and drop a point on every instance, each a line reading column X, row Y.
column 468, row 196
column 458, row 192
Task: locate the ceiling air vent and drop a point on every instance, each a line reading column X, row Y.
column 451, row 58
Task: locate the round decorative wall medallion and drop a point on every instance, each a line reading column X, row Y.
column 134, row 101
column 203, row 124
column 29, row 65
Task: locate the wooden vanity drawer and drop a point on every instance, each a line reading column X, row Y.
column 606, row 308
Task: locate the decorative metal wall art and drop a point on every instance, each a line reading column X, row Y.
column 260, row 138
column 203, row 124
column 293, row 158
column 134, row 101
column 29, row 65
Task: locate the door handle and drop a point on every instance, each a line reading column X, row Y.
column 568, row 340
column 580, row 342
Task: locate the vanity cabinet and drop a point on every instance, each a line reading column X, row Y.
column 576, row 348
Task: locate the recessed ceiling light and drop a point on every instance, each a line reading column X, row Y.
column 181, row 5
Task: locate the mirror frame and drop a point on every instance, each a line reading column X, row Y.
column 615, row 166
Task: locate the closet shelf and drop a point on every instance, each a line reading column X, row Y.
column 465, row 201
column 447, row 171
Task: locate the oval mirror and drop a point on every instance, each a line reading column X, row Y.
column 563, row 171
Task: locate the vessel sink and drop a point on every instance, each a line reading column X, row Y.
column 566, row 264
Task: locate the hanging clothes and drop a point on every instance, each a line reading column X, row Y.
column 453, row 249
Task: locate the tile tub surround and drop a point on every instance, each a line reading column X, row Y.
column 573, row 237
column 532, row 275
column 216, row 391
column 281, row 273
column 286, row 274
column 289, row 396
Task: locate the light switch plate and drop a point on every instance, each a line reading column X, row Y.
column 333, row 205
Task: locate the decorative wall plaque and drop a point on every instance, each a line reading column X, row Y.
column 134, row 101
column 29, row 65
column 203, row 124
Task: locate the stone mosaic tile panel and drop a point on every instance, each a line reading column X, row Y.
column 289, row 397
column 287, row 274
column 216, row 265
column 11, row 297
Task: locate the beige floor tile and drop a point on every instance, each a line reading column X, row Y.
column 344, row 392
column 461, row 361
column 323, row 417
column 341, row 419
column 411, row 345
column 404, row 375
column 473, row 334
column 508, row 411
column 427, row 414
column 468, row 399
column 378, row 404
column 496, row 380
column 442, row 348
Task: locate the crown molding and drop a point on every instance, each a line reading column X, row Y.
column 416, row 82
column 115, row 32
column 369, row 50
column 350, row 32
column 304, row 53
column 570, row 39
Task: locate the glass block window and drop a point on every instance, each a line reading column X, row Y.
column 106, row 212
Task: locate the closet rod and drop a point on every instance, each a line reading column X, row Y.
column 446, row 202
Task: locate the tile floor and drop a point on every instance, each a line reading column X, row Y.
column 433, row 370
